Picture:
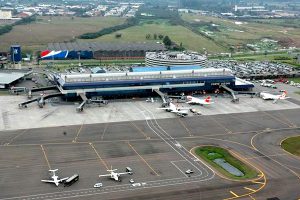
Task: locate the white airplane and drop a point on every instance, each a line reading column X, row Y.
column 55, row 178
column 114, row 175
column 194, row 100
column 181, row 111
column 268, row 96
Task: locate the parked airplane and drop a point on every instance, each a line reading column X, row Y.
column 268, row 96
column 182, row 112
column 114, row 175
column 194, row 100
column 55, row 178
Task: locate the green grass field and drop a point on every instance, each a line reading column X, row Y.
column 35, row 36
column 296, row 80
column 232, row 34
column 280, row 57
column 227, row 33
column 178, row 34
column 292, row 145
column 294, row 23
column 204, row 151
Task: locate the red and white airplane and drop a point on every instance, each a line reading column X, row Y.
column 194, row 100
column 268, row 96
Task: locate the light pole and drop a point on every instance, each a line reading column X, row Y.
column 79, row 52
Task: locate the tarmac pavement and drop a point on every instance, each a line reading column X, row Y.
column 158, row 151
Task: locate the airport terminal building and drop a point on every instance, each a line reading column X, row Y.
column 126, row 84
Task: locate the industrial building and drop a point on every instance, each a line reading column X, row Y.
column 9, row 78
column 174, row 59
column 97, row 50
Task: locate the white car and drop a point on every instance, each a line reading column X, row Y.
column 131, row 181
column 98, row 185
column 189, row 171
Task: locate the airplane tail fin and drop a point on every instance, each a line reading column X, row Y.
column 208, row 99
column 53, row 170
column 284, row 94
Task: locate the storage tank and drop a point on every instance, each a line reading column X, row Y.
column 15, row 53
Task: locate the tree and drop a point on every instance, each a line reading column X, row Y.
column 167, row 41
column 118, row 35
column 160, row 36
column 148, row 36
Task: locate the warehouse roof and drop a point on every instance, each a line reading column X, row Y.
column 99, row 46
column 9, row 76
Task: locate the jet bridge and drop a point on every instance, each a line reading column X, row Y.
column 41, row 89
column 164, row 97
column 40, row 100
column 85, row 99
column 232, row 92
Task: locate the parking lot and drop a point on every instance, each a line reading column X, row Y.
column 243, row 69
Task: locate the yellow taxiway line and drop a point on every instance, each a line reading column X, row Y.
column 78, row 132
column 140, row 130
column 18, row 135
column 255, row 180
column 250, row 189
column 234, row 194
column 101, row 160
column 46, row 158
column 142, row 159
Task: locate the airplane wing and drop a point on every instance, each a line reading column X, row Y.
column 184, row 108
column 123, row 173
column 191, row 102
column 48, row 181
column 63, row 179
column 105, row 175
column 275, row 100
column 163, row 108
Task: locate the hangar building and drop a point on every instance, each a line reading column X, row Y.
column 99, row 50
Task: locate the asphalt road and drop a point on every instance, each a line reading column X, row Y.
column 158, row 151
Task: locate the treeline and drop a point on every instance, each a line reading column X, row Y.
column 216, row 5
column 7, row 28
column 128, row 23
column 26, row 20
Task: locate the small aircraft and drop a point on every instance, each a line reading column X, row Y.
column 55, row 178
column 268, row 96
column 182, row 112
column 114, row 175
column 194, row 100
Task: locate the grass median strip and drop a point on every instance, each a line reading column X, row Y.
column 292, row 145
column 233, row 167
